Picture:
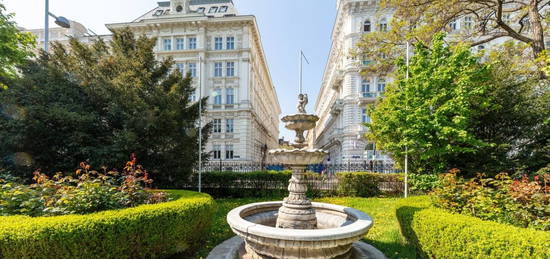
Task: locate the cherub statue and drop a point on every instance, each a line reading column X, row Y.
column 302, row 102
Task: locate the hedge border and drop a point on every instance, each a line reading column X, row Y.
column 146, row 231
column 437, row 233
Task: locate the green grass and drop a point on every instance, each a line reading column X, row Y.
column 384, row 235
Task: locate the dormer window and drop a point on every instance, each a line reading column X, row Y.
column 179, row 8
column 367, row 26
column 223, row 9
column 201, row 10
column 213, row 9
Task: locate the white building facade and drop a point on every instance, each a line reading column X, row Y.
column 345, row 92
column 223, row 53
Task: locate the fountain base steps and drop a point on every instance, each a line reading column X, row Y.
column 235, row 248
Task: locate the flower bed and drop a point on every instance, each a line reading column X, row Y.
column 437, row 233
column 146, row 231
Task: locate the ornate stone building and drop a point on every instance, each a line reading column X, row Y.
column 223, row 51
column 344, row 92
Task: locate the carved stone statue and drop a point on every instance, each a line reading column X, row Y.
column 302, row 102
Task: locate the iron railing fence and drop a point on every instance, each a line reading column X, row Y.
column 328, row 168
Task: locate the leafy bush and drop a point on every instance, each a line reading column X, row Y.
column 437, row 233
column 275, row 184
column 423, row 183
column 91, row 191
column 522, row 203
column 146, row 231
column 365, row 184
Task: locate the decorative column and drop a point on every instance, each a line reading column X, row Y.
column 297, row 211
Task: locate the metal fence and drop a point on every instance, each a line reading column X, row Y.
column 328, row 168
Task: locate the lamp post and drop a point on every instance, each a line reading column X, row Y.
column 61, row 21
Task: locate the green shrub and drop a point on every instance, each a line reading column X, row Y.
column 522, row 203
column 146, row 231
column 90, row 191
column 423, row 183
column 437, row 233
column 365, row 184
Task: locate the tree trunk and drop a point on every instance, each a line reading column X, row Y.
column 536, row 29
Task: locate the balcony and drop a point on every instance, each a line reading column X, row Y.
column 368, row 97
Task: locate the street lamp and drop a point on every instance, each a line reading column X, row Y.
column 61, row 21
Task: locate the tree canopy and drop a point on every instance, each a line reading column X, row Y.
column 99, row 103
column 15, row 46
column 474, row 22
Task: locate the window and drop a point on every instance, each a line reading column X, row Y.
column 218, row 97
column 366, row 62
column 200, row 10
column 180, row 43
column 229, row 151
column 193, row 97
column 383, row 25
column 192, row 43
column 213, row 9
column 192, row 69
column 452, row 25
column 480, row 47
column 230, row 96
column 468, row 22
column 365, row 88
column 218, row 43
column 167, row 44
column 230, row 126
column 506, row 18
column 367, row 26
column 364, row 116
column 223, row 9
column 218, row 69
column 230, row 42
column 217, row 152
column 181, row 68
column 230, row 69
column 217, row 126
column 381, row 85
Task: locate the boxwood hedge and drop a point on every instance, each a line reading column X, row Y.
column 437, row 233
column 147, row 231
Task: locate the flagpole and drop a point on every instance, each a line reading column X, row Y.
column 301, row 68
column 407, row 145
column 200, row 123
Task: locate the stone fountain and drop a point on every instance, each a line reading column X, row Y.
column 297, row 228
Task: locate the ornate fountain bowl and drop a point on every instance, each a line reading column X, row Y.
column 338, row 228
column 298, row 157
column 301, row 122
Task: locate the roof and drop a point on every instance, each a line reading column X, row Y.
column 198, row 2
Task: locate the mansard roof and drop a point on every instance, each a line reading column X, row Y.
column 198, row 2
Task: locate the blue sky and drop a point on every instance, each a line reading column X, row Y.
column 286, row 27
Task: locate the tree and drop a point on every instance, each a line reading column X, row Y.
column 15, row 46
column 431, row 112
column 516, row 123
column 482, row 21
column 115, row 99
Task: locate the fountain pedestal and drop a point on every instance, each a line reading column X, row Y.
column 297, row 211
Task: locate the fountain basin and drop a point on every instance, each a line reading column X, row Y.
column 300, row 122
column 298, row 157
column 338, row 228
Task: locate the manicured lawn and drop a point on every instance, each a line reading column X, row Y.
column 384, row 235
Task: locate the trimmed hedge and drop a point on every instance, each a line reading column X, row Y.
column 437, row 233
column 365, row 184
column 146, row 231
column 275, row 184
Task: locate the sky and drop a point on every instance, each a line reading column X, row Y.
column 286, row 26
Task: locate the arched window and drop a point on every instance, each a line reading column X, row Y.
column 367, row 26
column 383, row 25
